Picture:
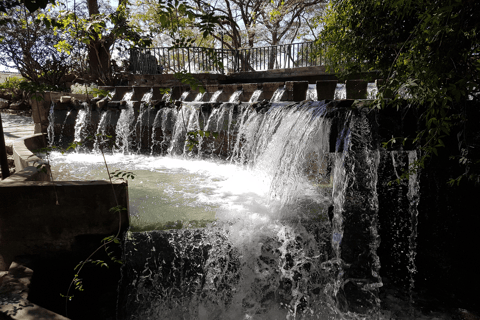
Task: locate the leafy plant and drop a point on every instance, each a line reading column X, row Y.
column 426, row 51
column 194, row 136
column 11, row 83
column 77, row 282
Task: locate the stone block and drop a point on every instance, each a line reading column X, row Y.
column 296, row 90
column 101, row 104
column 326, row 89
column 356, row 89
column 65, row 99
column 269, row 89
column 20, row 105
column 139, row 92
column 157, row 93
column 120, row 92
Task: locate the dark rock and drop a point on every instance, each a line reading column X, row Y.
column 3, row 103
column 20, row 105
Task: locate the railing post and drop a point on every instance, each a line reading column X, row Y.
column 188, row 59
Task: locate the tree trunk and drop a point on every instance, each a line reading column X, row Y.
column 99, row 52
column 99, row 61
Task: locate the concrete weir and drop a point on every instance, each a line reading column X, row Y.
column 47, row 227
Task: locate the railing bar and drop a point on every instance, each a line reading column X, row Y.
column 179, row 62
column 183, row 58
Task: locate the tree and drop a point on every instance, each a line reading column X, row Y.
column 250, row 23
column 27, row 45
column 429, row 49
column 98, row 32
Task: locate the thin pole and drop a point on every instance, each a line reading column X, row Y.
column 3, row 153
column 223, row 67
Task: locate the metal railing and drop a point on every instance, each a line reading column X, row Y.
column 208, row 60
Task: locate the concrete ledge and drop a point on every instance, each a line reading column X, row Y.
column 26, row 174
column 23, row 157
column 14, row 289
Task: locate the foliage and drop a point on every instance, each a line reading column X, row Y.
column 17, row 85
column 11, row 83
column 28, row 45
column 427, row 51
column 170, row 21
column 83, row 88
column 77, row 282
column 99, row 33
column 194, row 136
column 249, row 23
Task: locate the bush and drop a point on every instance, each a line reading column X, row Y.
column 12, row 83
column 83, row 88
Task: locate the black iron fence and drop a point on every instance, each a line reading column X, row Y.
column 208, row 60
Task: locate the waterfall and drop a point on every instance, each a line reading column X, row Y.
column 311, row 92
column 180, row 130
column 184, row 96
column 82, row 125
column 199, row 97
column 296, row 230
column 340, row 92
column 143, row 121
column 372, row 90
column 278, row 95
column 216, row 95
column 63, row 127
column 235, row 97
column 256, row 94
column 156, row 131
column 261, row 263
column 100, row 136
column 123, row 130
column 167, row 96
column 51, row 125
column 413, row 196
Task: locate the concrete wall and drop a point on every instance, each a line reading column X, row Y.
column 169, row 80
column 41, row 107
column 38, row 216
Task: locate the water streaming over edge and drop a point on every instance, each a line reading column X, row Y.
column 261, row 142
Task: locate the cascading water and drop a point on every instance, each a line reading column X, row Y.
column 101, row 133
column 288, row 223
column 184, row 96
column 235, row 97
column 82, row 130
column 372, row 90
column 278, row 94
column 63, row 127
column 215, row 95
column 413, row 196
column 199, row 97
column 144, row 121
column 340, row 92
column 256, row 94
column 125, row 123
column 167, row 96
column 262, row 261
column 311, row 92
column 51, row 124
